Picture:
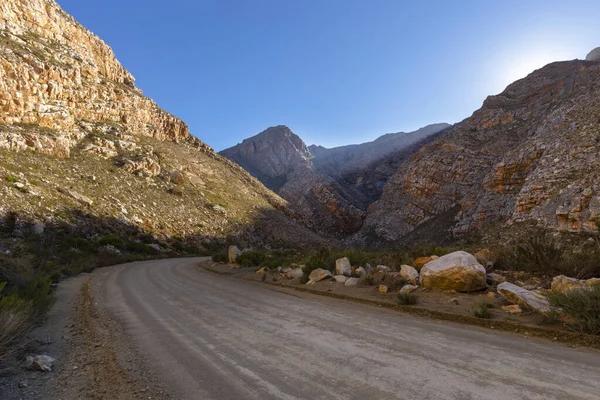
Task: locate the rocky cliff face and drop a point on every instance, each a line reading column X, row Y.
column 330, row 188
column 530, row 153
column 78, row 138
column 54, row 73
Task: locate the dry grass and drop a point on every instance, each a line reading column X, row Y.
column 15, row 323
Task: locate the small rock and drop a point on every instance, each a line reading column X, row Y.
column 318, row 275
column 233, row 253
column 261, row 271
column 361, row 271
column 42, row 363
column 383, row 268
column 409, row 274
column 343, row 267
column 408, row 289
column 523, row 297
column 352, row 281
column 492, row 295
column 512, row 309
column 340, row 278
column 383, row 289
column 293, row 273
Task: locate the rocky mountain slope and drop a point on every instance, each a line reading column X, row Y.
column 531, row 153
column 77, row 138
column 330, row 188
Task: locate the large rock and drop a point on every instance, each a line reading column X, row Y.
column 293, row 273
column 593, row 55
column 563, row 283
column 458, row 271
column 361, row 271
column 409, row 274
column 233, row 253
column 343, row 267
column 523, row 297
column 318, row 275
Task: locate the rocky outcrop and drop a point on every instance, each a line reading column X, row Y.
column 54, row 73
column 530, row 153
column 330, row 188
column 457, row 271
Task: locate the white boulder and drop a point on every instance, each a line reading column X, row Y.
column 457, row 271
column 343, row 267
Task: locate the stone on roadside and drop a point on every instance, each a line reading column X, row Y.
column 512, row 309
column 292, row 273
column 458, row 271
column 343, row 267
column 233, row 253
column 383, row 289
column 409, row 274
column 340, row 278
column 318, row 275
column 408, row 289
column 523, row 297
column 42, row 363
column 421, row 261
column 563, row 283
column 352, row 281
column 261, row 271
column 383, row 268
column 361, row 271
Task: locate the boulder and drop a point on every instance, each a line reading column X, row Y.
column 340, row 278
column 343, row 267
column 261, row 271
column 421, row 261
column 523, row 297
column 408, row 289
column 563, row 283
column 409, row 274
column 512, row 309
column 383, row 289
column 233, row 253
column 361, row 271
column 318, row 275
column 458, row 271
column 352, row 281
column 593, row 55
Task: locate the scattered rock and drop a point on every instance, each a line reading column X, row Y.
column 458, row 271
column 492, row 295
column 409, row 274
column 261, row 271
column 177, row 178
column 79, row 197
column 110, row 249
column 233, row 253
column 523, row 297
column 421, row 261
column 512, row 309
column 318, row 275
column 494, row 279
column 383, row 268
column 146, row 167
column 343, row 267
column 408, row 289
column 361, row 271
column 42, row 363
column 293, row 273
column 340, row 278
column 563, row 283
column 383, row 289
column 352, row 281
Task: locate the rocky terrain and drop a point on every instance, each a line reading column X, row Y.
column 530, row 153
column 330, row 188
column 77, row 136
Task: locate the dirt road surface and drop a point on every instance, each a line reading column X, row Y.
column 217, row 337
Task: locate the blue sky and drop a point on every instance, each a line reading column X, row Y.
column 335, row 71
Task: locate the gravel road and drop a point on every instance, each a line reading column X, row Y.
column 218, row 337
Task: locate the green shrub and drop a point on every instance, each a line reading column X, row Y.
column 407, row 299
column 368, row 280
column 581, row 305
column 220, row 256
column 483, row 310
column 11, row 179
column 251, row 258
column 112, row 240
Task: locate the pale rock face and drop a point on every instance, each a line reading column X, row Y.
column 409, row 274
column 343, row 267
column 458, row 271
column 523, row 297
column 61, row 73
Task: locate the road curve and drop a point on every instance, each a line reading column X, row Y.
column 217, row 337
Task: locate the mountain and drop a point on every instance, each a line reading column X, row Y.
column 80, row 144
column 528, row 154
column 330, row 188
